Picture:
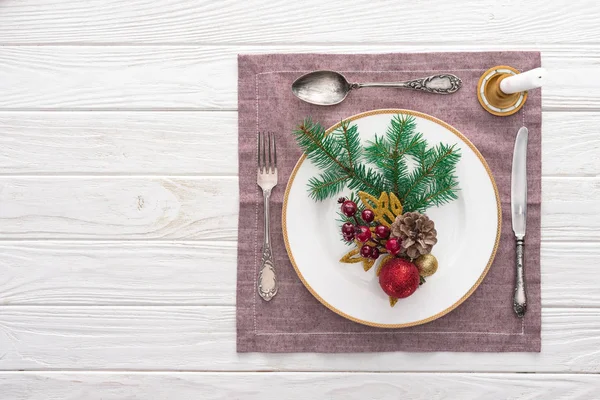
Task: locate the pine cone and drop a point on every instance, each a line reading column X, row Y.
column 417, row 232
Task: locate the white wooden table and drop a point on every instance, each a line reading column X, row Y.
column 118, row 198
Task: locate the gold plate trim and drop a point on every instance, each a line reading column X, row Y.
column 483, row 274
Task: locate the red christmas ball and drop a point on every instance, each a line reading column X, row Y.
column 399, row 278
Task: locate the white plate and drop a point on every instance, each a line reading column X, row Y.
column 468, row 233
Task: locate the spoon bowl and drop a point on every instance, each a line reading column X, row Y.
column 324, row 88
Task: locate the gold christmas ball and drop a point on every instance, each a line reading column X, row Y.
column 427, row 264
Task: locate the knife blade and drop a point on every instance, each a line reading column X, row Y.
column 518, row 206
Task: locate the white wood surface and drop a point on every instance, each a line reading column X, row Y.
column 231, row 21
column 119, row 143
column 295, row 386
column 205, row 208
column 181, row 143
column 204, row 77
column 118, row 198
column 202, row 273
column 202, row 338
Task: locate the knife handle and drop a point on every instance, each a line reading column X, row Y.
column 520, row 299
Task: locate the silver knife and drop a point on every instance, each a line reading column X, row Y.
column 518, row 205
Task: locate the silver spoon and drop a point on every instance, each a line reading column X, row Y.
column 326, row 88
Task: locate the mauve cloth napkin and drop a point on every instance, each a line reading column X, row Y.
column 294, row 321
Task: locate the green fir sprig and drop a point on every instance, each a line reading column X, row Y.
column 399, row 161
column 339, row 155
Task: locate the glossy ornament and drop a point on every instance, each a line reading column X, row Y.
column 399, row 278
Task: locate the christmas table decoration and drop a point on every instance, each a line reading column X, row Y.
column 394, row 179
column 325, row 306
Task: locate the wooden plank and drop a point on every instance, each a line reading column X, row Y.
column 186, row 143
column 106, row 208
column 119, row 273
column 203, row 338
column 118, row 142
column 570, row 144
column 204, row 77
column 119, row 208
column 312, row 21
column 291, row 386
column 199, row 273
column 569, row 209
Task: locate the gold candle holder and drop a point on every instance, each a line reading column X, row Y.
column 492, row 99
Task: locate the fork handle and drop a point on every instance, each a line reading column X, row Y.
column 267, row 280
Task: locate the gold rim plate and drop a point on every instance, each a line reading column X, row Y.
column 471, row 290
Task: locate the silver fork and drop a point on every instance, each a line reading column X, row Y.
column 267, row 179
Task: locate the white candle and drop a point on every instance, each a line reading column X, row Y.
column 521, row 82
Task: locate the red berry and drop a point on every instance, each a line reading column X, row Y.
column 368, row 215
column 366, row 251
column 374, row 253
column 364, row 235
column 348, row 208
column 393, row 246
column 382, row 231
column 348, row 237
column 348, row 228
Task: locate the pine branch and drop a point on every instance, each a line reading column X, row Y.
column 433, row 183
column 327, row 184
column 341, row 159
column 389, row 153
column 321, row 149
column 440, row 193
column 349, row 138
column 338, row 155
column 367, row 180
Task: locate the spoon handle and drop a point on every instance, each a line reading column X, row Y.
column 439, row 84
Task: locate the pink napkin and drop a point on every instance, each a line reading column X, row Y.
column 294, row 321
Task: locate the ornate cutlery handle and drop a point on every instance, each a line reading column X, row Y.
column 520, row 299
column 267, row 280
column 438, row 84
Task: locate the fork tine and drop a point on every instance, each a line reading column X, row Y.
column 270, row 167
column 274, row 151
column 264, row 154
